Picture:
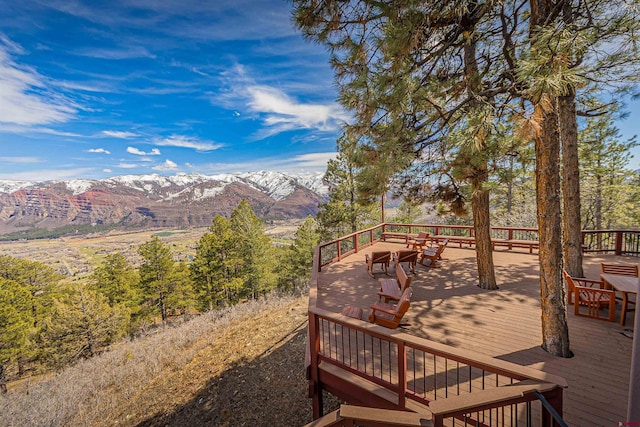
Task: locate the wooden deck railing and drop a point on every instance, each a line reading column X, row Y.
column 618, row 242
column 365, row 364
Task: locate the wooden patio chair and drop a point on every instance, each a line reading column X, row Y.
column 419, row 242
column 583, row 294
column 383, row 258
column 621, row 269
column 433, row 255
column 409, row 256
column 392, row 289
column 390, row 315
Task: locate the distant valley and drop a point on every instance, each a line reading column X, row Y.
column 155, row 201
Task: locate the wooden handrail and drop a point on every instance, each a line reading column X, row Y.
column 619, row 242
column 350, row 415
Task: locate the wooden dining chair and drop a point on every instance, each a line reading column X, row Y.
column 620, row 269
column 588, row 298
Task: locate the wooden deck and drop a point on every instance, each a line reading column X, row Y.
column 449, row 308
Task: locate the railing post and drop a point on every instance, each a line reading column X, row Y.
column 339, row 249
column 554, row 398
column 619, row 237
column 402, row 375
column 355, row 243
column 314, row 349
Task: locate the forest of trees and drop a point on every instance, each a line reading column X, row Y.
column 48, row 321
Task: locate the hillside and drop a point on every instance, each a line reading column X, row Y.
column 155, row 201
column 243, row 366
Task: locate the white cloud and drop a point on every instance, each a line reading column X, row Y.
column 107, row 170
column 20, row 159
column 279, row 111
column 138, row 152
column 116, row 54
column 168, row 165
column 314, row 160
column 98, row 150
column 25, row 97
column 119, row 134
column 188, row 142
column 127, row 165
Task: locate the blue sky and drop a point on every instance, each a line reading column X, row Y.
column 97, row 89
column 92, row 89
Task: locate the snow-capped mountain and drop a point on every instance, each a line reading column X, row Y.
column 156, row 200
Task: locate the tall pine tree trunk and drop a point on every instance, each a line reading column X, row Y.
column 480, row 174
column 572, row 231
column 482, row 230
column 555, row 332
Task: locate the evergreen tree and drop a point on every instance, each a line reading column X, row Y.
column 345, row 212
column 181, row 297
column 215, row 265
column 608, row 186
column 297, row 259
column 16, row 323
column 413, row 74
column 255, row 250
column 82, row 324
column 116, row 279
column 156, row 276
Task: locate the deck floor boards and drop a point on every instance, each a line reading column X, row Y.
column 449, row 308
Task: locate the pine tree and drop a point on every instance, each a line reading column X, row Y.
column 16, row 323
column 156, row 276
column 255, row 251
column 214, row 266
column 297, row 259
column 116, row 279
column 345, row 212
column 181, row 297
column 82, row 324
column 609, row 190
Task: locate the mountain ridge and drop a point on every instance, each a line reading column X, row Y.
column 136, row 201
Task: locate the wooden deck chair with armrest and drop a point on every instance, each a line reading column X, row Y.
column 392, row 289
column 588, row 294
column 409, row 256
column 383, row 258
column 420, row 241
column 433, row 255
column 390, row 315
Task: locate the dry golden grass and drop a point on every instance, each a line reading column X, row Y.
column 242, row 366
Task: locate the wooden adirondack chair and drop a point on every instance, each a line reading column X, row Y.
column 433, row 255
column 390, row 315
column 420, row 241
column 584, row 294
column 383, row 258
column 409, row 256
